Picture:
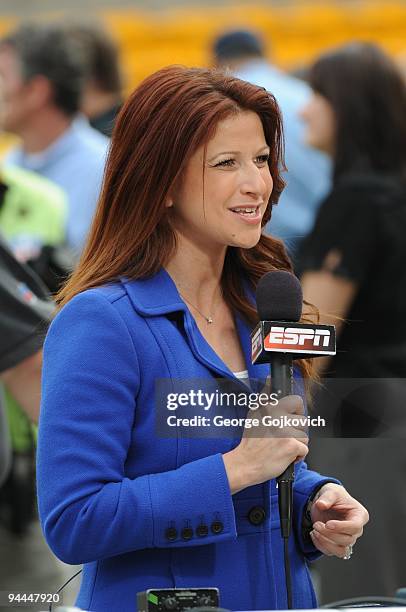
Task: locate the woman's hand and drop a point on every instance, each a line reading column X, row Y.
column 266, row 451
column 338, row 520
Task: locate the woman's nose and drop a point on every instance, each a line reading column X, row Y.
column 253, row 181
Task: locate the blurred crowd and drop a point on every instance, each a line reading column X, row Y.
column 342, row 216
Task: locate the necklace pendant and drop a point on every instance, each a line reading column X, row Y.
column 209, row 320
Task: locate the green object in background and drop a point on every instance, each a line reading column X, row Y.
column 34, row 431
column 33, row 207
column 22, row 432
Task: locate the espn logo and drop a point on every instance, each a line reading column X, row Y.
column 298, row 339
column 295, row 336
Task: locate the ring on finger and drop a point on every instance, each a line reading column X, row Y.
column 348, row 552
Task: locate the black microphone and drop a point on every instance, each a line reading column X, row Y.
column 279, row 339
column 280, row 298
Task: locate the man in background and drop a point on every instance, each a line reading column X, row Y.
column 33, row 210
column 307, row 178
column 102, row 94
column 43, row 72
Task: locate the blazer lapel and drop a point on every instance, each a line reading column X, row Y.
column 158, row 296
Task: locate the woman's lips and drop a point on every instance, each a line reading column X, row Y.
column 249, row 214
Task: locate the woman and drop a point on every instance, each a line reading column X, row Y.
column 163, row 291
column 357, row 115
column 353, row 267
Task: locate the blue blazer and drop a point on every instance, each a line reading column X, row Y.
column 141, row 512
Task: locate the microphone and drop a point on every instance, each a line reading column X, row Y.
column 278, row 339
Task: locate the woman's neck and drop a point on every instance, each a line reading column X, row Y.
column 197, row 273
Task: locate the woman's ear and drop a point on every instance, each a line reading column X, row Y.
column 172, row 193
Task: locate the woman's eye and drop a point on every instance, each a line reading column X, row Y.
column 225, row 162
column 262, row 159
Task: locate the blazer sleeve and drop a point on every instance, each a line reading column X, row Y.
column 88, row 508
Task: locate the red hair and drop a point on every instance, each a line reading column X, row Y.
column 165, row 120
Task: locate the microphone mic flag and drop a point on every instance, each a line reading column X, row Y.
column 279, row 304
column 278, row 339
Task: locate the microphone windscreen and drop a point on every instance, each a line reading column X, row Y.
column 279, row 297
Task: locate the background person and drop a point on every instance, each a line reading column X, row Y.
column 42, row 73
column 32, row 209
column 102, row 93
column 161, row 291
column 353, row 268
column 307, row 177
column 33, row 221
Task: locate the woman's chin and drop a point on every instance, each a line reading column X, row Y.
column 245, row 242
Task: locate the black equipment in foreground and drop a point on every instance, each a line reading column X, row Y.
column 176, row 600
column 367, row 602
column 278, row 339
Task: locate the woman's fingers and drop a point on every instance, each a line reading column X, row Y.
column 288, row 418
column 327, row 546
column 340, row 538
column 291, row 404
column 351, row 528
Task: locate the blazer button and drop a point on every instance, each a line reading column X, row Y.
column 202, row 531
column 186, row 533
column 256, row 515
column 217, row 527
column 171, row 534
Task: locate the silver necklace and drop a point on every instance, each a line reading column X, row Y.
column 209, row 319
